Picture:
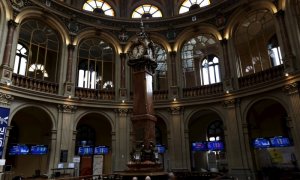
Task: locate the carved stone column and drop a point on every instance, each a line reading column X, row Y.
column 292, row 92
column 179, row 152
column 65, row 128
column 123, row 91
column 289, row 57
column 122, row 139
column 53, row 154
column 6, row 70
column 237, row 140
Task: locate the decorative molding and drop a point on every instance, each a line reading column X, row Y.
column 176, row 109
column 230, row 103
column 67, row 108
column 291, row 88
column 5, row 99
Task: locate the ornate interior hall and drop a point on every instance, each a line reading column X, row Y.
column 225, row 89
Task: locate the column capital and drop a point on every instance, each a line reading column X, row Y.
column 122, row 111
column 291, row 88
column 224, row 42
column 231, row 103
column 280, row 13
column 66, row 108
column 71, row 47
column 176, row 110
column 5, row 99
column 123, row 55
column 173, row 53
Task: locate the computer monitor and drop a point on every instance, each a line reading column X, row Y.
column 7, row 168
column 60, row 165
column 71, row 165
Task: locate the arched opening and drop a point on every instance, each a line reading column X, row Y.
column 28, row 147
column 270, row 138
column 207, row 142
column 94, row 144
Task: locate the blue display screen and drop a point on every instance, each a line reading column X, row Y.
column 101, row 150
column 280, row 141
column 215, row 146
column 261, row 143
column 85, row 150
column 20, row 149
column 38, row 149
column 161, row 149
column 199, row 146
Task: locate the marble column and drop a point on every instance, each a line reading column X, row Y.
column 65, row 129
column 237, row 146
column 6, row 70
column 289, row 57
column 292, row 91
column 179, row 151
column 122, row 139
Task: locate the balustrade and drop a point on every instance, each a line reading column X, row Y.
column 211, row 89
column 160, row 95
column 94, row 94
column 34, row 84
column 261, row 77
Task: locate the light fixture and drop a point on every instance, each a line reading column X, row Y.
column 8, row 82
column 70, row 96
column 174, row 99
column 286, row 74
column 227, row 91
column 123, row 101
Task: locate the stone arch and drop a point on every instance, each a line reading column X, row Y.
column 92, row 32
column 101, row 113
column 5, row 11
column 193, row 113
column 38, row 106
column 239, row 15
column 164, row 118
column 52, row 21
column 194, row 31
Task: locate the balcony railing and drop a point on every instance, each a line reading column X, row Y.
column 34, row 84
column 94, row 94
column 212, row 89
column 261, row 77
column 160, row 95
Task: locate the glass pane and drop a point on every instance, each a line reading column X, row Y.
column 217, row 70
column 105, row 7
column 81, row 78
column 16, row 65
column 212, row 74
column 205, row 76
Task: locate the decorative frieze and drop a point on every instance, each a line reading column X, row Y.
column 67, row 108
column 5, row 99
column 291, row 88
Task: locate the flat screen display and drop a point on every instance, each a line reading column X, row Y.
column 161, row 149
column 101, row 150
column 261, row 143
column 280, row 141
column 38, row 149
column 20, row 149
column 215, row 146
column 85, row 150
column 199, row 146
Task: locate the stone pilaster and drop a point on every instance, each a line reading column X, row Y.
column 65, row 128
column 237, row 141
column 54, row 155
column 5, row 69
column 123, row 90
column 227, row 81
column 179, row 151
column 121, row 139
column 292, row 92
column 69, row 84
column 289, row 58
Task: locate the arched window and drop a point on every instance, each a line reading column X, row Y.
column 98, row 7
column 161, row 80
column 95, row 65
column 189, row 5
column 215, row 131
column 146, row 11
column 200, row 64
column 85, row 136
column 21, row 60
column 210, row 70
column 256, row 45
column 39, row 59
